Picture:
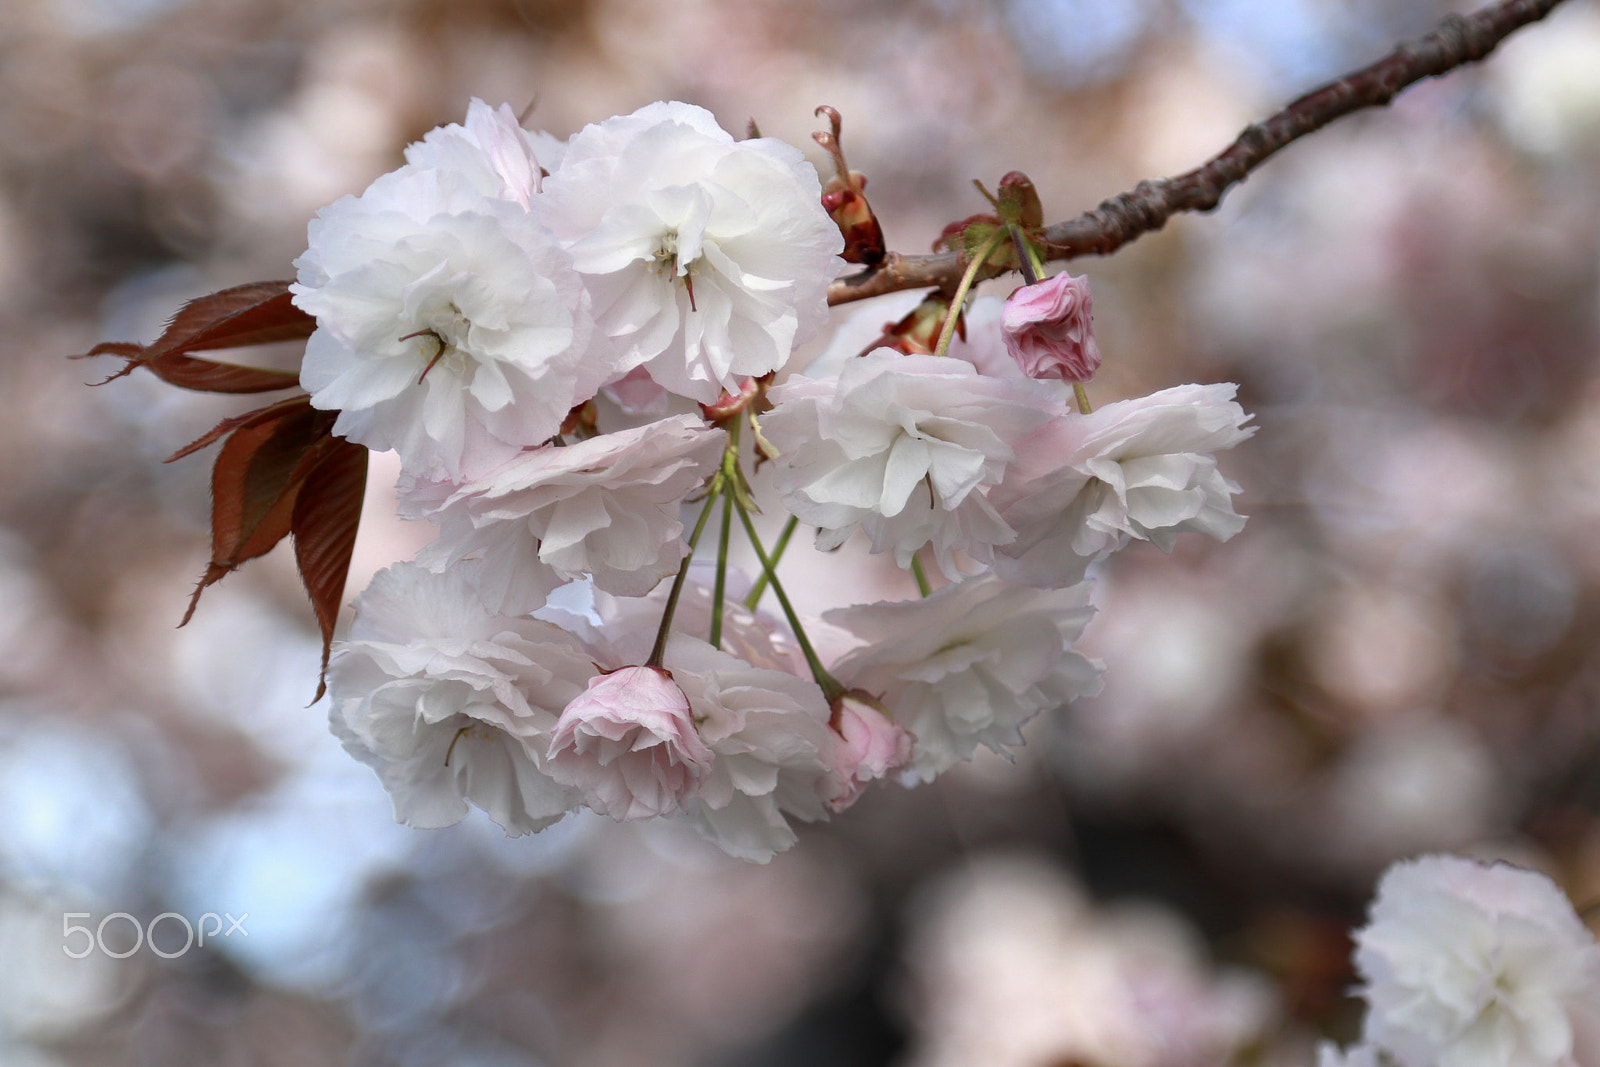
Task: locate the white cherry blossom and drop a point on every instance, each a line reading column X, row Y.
column 606, row 507
column 451, row 326
column 774, row 751
column 489, row 154
column 708, row 258
column 468, row 303
column 1468, row 964
column 452, row 705
column 1083, row 485
column 904, row 447
column 969, row 665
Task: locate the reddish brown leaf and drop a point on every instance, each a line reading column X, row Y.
column 228, row 425
column 253, row 314
column 281, row 472
column 257, row 476
column 274, row 528
column 327, row 514
column 205, row 375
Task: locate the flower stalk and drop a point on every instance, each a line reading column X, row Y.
column 921, row 576
column 719, row 589
column 980, row 258
column 659, row 650
column 778, row 548
column 831, row 688
column 1028, row 260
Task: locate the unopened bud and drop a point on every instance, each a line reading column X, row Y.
column 1019, row 201
column 869, row 746
column 844, row 199
column 629, row 744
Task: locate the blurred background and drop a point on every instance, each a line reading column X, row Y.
column 1398, row 655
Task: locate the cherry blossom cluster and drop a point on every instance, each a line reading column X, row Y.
column 579, row 351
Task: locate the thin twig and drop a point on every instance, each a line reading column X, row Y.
column 1460, row 39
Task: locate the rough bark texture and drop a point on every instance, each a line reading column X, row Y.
column 1460, row 39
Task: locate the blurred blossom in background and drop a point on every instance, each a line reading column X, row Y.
column 1397, row 655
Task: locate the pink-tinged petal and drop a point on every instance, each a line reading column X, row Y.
column 871, row 746
column 629, row 744
column 606, row 508
column 453, row 706
column 1049, row 329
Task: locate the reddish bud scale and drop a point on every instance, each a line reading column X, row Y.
column 863, row 237
column 845, row 200
column 953, row 237
column 966, row 236
column 1019, row 201
column 581, row 421
column 728, row 406
column 918, row 332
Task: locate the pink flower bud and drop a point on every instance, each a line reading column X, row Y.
column 1049, row 330
column 870, row 746
column 629, row 744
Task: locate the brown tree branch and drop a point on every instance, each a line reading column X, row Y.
column 1460, row 39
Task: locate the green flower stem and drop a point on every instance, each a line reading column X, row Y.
column 966, row 285
column 831, row 689
column 921, row 576
column 722, row 571
column 660, row 650
column 1082, row 395
column 1027, row 259
column 754, row 596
